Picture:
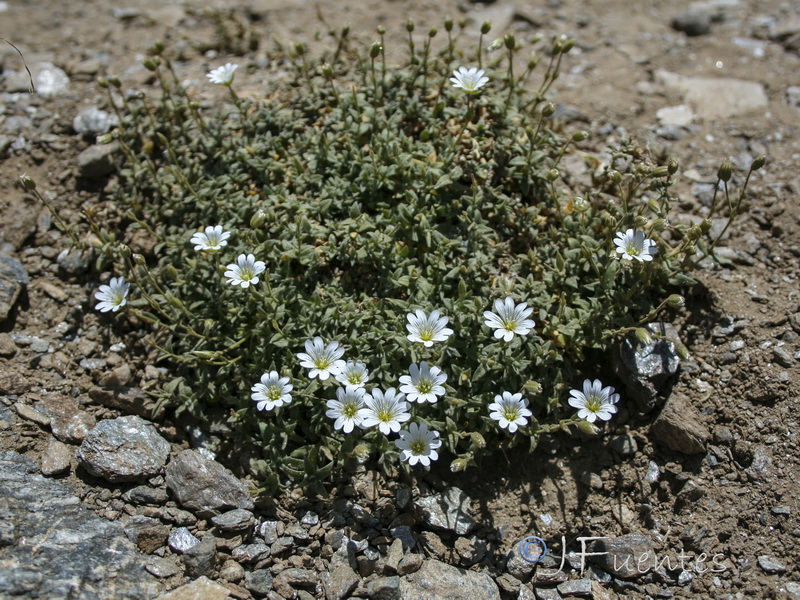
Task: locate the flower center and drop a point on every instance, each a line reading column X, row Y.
column 425, row 386
column 354, row 378
column 349, row 410
column 510, row 324
column 632, row 249
column 274, row 393
column 426, row 333
column 385, row 415
column 322, row 363
column 246, row 273
column 117, row 297
column 418, row 447
column 511, row 413
column 593, row 404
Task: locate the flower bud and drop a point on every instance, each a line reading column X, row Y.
column 658, row 225
column 548, row 109
column 458, row 465
column 615, row 176
column 258, row 218
column 375, row 50
column 409, row 26
column 705, row 225
column 125, row 250
column 486, row 27
column 139, row 259
column 477, row 439
column 567, row 44
column 587, row 428
column 510, row 41
column 157, row 48
column 661, row 171
column 27, row 182
column 171, row 272
column 381, row 29
column 758, row 163
column 672, row 166
column 327, row 70
column 300, row 48
column 432, row 32
column 533, row 387
column 102, row 82
column 725, row 170
column 639, row 222
column 150, row 64
column 205, row 354
column 552, row 175
column 115, row 82
column 361, row 453
column 448, row 24
column 683, row 351
column 643, row 336
column 345, row 31
column 579, row 136
column 676, row 301
column 106, row 138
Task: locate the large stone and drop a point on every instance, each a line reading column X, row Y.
column 448, row 510
column 126, row 399
column 52, row 547
column 205, row 486
column 716, row 98
column 646, row 369
column 439, row 581
column 628, row 556
column 680, row 427
column 124, row 449
column 201, row 588
column 98, row 161
column 68, row 421
column 13, row 279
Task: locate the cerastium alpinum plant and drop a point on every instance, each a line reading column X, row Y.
column 377, row 262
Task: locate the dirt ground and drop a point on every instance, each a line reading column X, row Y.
column 738, row 502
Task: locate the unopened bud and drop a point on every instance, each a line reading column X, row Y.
column 587, row 428
column 676, row 301
column 432, row 32
column 567, row 45
column 533, row 387
column 139, row 259
column 375, row 50
column 300, row 48
column 115, row 82
column 548, row 109
column 459, row 465
column 758, row 163
column 361, row 453
column 125, row 251
column 615, row 176
column 102, row 82
column 448, row 24
column 171, row 272
column 27, row 182
column 661, row 171
column 258, row 218
column 552, row 175
column 639, row 222
column 510, row 41
column 579, row 136
column 150, row 64
column 725, row 170
column 409, row 26
column 477, row 439
column 683, row 351
column 205, row 354
column 106, row 138
column 643, row 336
column 157, row 48
column 673, row 165
column 381, row 29
column 486, row 27
column 345, row 31
column 658, row 225
column 705, row 225
column 327, row 70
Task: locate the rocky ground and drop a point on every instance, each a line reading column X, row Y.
column 694, row 485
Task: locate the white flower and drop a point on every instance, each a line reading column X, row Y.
column 212, row 240
column 113, row 296
column 508, row 319
column 245, row 271
column 595, row 401
column 386, row 410
column 346, row 410
column 633, row 245
column 272, row 392
column 321, row 359
column 424, row 384
column 510, row 410
column 353, row 373
column 223, row 75
column 427, row 329
column 469, row 80
column 418, row 445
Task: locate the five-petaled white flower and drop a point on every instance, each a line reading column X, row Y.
column 346, row 410
column 510, row 410
column 273, row 391
column 223, row 75
column 633, row 245
column 424, row 384
column 508, row 319
column 113, row 296
column 595, row 401
column 245, row 270
column 353, row 373
column 418, row 445
column 427, row 329
column 323, row 360
column 384, row 409
column 470, row 80
column 211, row 240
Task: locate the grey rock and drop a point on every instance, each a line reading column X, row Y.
column 31, row 414
column 123, row 449
column 234, row 520
column 680, row 427
column 98, row 161
column 129, row 400
column 542, row 593
column 177, row 516
column 624, row 444
column 403, row 533
column 94, row 121
column 781, row 509
column 384, row 588
column 49, row 80
column 716, row 98
column 282, row 544
column 68, row 421
column 13, row 279
column 410, row 563
column 448, row 510
column 148, row 534
column 56, row 459
column 692, row 23
column 144, row 494
column 201, row 588
column 339, row 582
column 68, row 551
column 394, row 556
column 162, row 567
column 259, row 582
column 8, row 347
column 782, row 357
column 575, row 587
column 269, row 530
column 181, row 540
column 517, row 566
column 653, row 472
column 760, row 465
column 627, row 556
column 232, row 571
column 646, row 369
column 771, row 565
column 287, row 580
column 250, row 553
column 439, row 581
column 201, row 559
column 75, row 262
column 205, row 486
column 310, row 518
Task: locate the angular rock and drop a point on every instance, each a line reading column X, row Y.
column 287, row 580
column 411, row 563
column 13, row 279
column 98, row 161
column 50, row 80
column 201, row 559
column 68, row 552
column 148, row 534
column 144, row 494
column 56, row 459
column 161, row 567
column 126, row 399
column 692, row 23
column 123, row 449
column 680, row 427
column 94, row 121
column 250, row 553
column 771, row 565
column 627, row 556
column 201, row 588
column 259, row 582
column 576, row 587
column 68, row 421
column 181, row 540
column 716, row 98
column 234, row 520
column 384, row 588
column 205, row 486
column 647, row 368
column 339, row 582
column 439, row 581
column 448, row 510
